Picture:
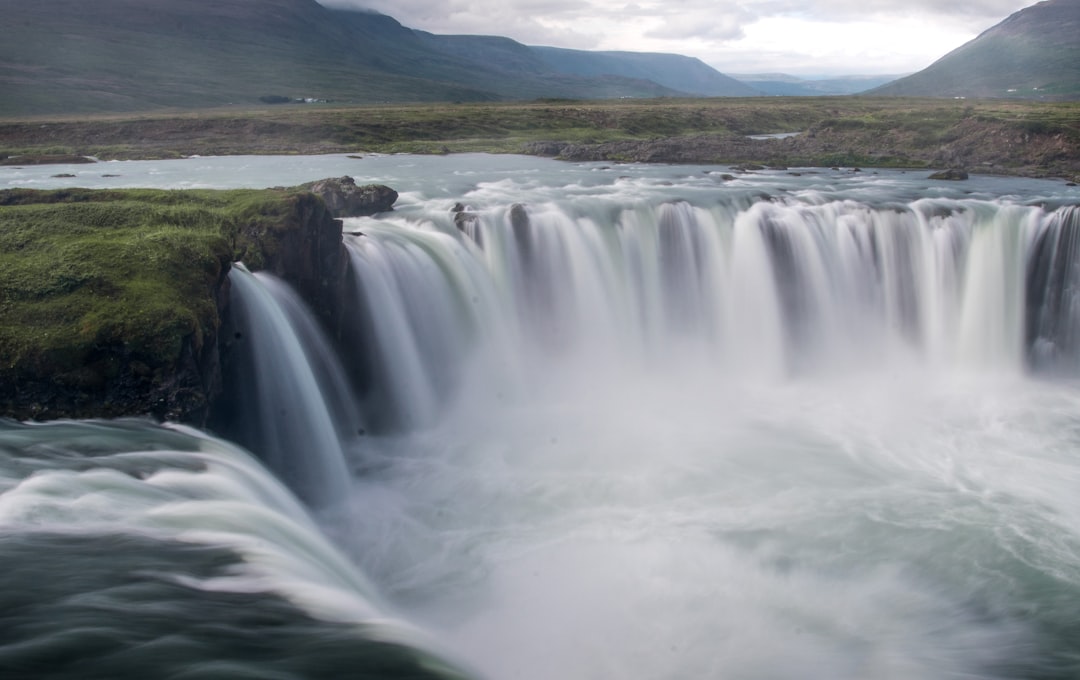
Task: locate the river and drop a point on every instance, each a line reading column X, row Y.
column 593, row 421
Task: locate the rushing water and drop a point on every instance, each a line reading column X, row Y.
column 611, row 422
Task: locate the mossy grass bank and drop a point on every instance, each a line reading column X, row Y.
column 105, row 294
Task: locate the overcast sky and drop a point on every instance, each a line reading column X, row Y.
column 801, row 37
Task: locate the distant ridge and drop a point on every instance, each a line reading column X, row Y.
column 76, row 56
column 1033, row 54
column 784, row 85
column 676, row 71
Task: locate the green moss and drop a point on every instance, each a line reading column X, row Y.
column 86, row 273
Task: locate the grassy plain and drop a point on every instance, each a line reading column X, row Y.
column 1004, row 136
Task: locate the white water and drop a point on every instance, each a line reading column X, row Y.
column 667, row 429
column 792, row 438
column 103, row 480
column 298, row 437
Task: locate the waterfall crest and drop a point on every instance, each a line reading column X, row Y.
column 772, row 289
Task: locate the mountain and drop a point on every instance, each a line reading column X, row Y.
column 784, row 85
column 1035, row 53
column 672, row 70
column 74, row 56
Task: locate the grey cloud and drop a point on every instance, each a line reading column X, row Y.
column 518, row 19
column 853, row 10
column 702, row 19
column 469, row 11
column 713, row 27
column 529, row 20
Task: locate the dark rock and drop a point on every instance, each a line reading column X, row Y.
column 468, row 224
column 46, row 159
column 549, row 149
column 345, row 199
column 747, row 167
column 519, row 221
column 302, row 245
column 952, row 174
column 464, row 219
column 64, row 175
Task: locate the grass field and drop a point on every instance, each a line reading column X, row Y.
column 1018, row 137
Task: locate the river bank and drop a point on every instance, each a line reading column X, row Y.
column 1029, row 139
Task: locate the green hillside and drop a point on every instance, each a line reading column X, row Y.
column 1034, row 54
column 74, row 56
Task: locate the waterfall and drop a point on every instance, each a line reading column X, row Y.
column 1052, row 329
column 287, row 389
column 763, row 291
column 596, row 422
column 425, row 306
column 772, row 289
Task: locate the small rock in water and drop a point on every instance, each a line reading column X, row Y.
column 950, row 174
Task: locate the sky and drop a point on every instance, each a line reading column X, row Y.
column 799, row 37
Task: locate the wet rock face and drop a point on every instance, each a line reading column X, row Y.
column 344, row 198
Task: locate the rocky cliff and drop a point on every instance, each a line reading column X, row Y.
column 113, row 301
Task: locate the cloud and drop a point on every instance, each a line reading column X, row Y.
column 866, row 36
column 530, row 21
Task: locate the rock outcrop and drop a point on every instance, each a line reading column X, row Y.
column 952, row 174
column 298, row 239
column 344, row 198
column 141, row 332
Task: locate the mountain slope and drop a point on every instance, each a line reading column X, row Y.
column 115, row 55
column 1035, row 53
column 73, row 56
column 676, row 71
column 519, row 69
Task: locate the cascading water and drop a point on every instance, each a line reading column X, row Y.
column 631, row 422
column 780, row 286
column 1053, row 294
column 283, row 409
column 780, row 437
column 133, row 550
